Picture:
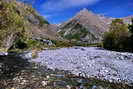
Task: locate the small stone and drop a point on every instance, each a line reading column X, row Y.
column 23, row 82
column 60, row 83
column 58, row 75
column 82, row 81
column 3, row 53
column 13, row 88
column 100, row 87
column 94, row 87
column 48, row 77
column 44, row 83
column 68, row 87
column 110, row 81
column 1, row 65
column 82, row 49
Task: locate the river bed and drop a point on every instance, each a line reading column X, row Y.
column 90, row 62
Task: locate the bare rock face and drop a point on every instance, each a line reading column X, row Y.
column 85, row 27
column 53, row 29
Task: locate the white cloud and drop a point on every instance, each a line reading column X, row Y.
column 49, row 15
column 59, row 5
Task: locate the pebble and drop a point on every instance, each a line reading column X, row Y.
column 3, row 53
column 94, row 87
column 44, row 83
column 12, row 88
column 60, row 83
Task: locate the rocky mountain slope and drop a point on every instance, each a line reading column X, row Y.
column 87, row 27
column 21, row 26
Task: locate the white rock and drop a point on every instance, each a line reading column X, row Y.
column 44, row 83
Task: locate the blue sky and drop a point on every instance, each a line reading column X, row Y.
column 58, row 11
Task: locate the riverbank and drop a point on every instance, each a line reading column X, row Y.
column 67, row 68
column 21, row 74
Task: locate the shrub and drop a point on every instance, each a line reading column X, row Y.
column 20, row 44
column 34, row 44
column 34, row 54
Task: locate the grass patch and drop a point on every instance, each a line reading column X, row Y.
column 34, row 54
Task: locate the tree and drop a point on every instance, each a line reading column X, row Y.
column 115, row 39
column 130, row 27
column 130, row 41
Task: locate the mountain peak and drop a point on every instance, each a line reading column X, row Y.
column 91, row 26
column 84, row 11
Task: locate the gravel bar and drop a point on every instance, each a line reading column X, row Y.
column 90, row 62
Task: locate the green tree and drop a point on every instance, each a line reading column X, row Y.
column 130, row 27
column 130, row 40
column 117, row 35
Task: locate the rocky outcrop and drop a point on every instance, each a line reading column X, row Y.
column 85, row 27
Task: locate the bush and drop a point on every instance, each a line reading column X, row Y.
column 34, row 53
column 35, row 44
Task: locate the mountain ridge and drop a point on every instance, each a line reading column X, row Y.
column 94, row 24
column 88, row 21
